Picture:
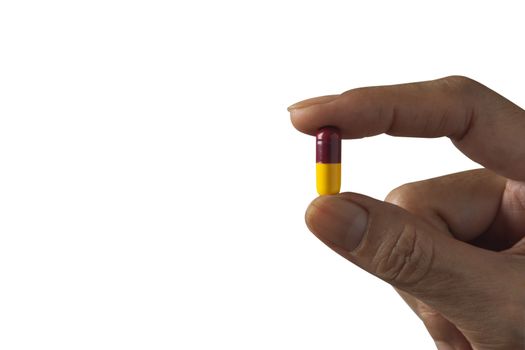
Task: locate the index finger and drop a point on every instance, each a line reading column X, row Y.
column 482, row 124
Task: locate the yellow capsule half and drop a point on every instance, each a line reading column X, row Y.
column 328, row 178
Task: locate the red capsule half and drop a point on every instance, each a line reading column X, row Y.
column 328, row 148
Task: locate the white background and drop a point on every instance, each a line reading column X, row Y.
column 152, row 188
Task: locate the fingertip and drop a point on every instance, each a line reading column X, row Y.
column 312, row 101
column 298, row 121
column 309, row 120
column 309, row 115
column 336, row 220
column 311, row 212
column 314, row 212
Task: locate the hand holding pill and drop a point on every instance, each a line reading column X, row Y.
column 452, row 246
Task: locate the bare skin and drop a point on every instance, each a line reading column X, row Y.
column 452, row 246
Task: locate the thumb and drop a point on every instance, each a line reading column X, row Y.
column 408, row 253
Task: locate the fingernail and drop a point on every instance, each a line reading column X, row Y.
column 338, row 221
column 312, row 101
column 443, row 346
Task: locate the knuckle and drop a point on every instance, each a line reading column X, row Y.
column 459, row 83
column 432, row 319
column 403, row 196
column 397, row 195
column 405, row 259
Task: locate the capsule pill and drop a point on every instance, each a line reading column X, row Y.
column 328, row 160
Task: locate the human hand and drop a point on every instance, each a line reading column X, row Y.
column 452, row 246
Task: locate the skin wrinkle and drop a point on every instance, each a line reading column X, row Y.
column 384, row 267
column 506, row 229
column 428, row 267
column 517, row 194
column 393, row 117
column 494, row 217
column 409, row 257
column 468, row 126
column 398, row 250
column 443, row 225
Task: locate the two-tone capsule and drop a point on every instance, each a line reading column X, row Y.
column 328, row 160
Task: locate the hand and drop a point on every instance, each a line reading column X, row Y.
column 452, row 246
